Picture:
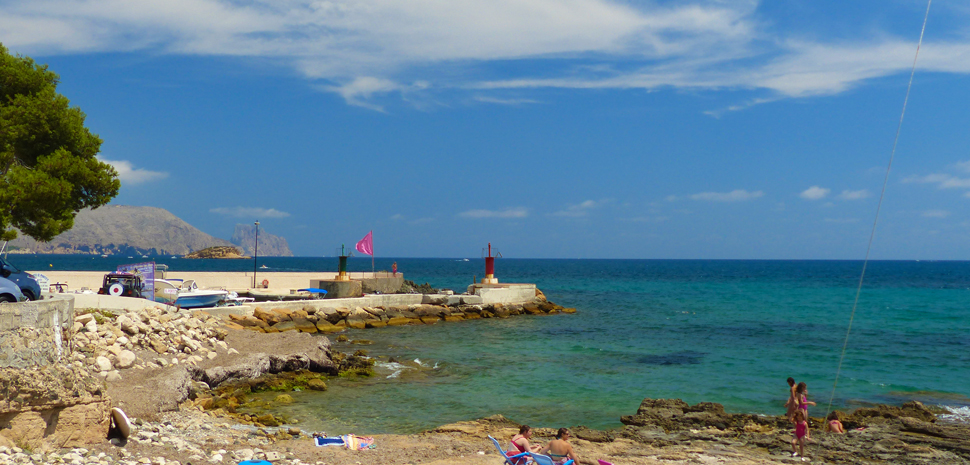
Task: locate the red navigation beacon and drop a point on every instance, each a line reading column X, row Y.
column 489, row 268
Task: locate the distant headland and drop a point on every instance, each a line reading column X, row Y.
column 130, row 230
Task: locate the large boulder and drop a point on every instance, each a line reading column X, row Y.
column 914, row 409
column 675, row 415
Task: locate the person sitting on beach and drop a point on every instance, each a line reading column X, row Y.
column 833, row 424
column 560, row 449
column 801, row 434
column 802, row 397
column 792, row 403
column 521, row 441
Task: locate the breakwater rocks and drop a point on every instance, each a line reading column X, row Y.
column 153, row 360
column 909, row 434
column 328, row 320
column 108, row 342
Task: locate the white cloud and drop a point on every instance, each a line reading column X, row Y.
column 365, row 49
column 737, row 195
column 515, row 212
column 578, row 210
column 397, row 217
column 130, row 175
column 362, row 89
column 963, row 166
column 935, row 214
column 505, row 101
column 814, row 193
column 943, row 181
column 250, row 212
column 854, row 195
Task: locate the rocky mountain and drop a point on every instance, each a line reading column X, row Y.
column 128, row 230
column 269, row 245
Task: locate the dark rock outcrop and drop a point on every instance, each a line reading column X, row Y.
column 313, row 354
column 907, row 434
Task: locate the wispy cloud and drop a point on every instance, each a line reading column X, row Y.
column 815, row 193
column 854, row 195
column 515, row 212
column 943, row 181
column 579, row 209
column 130, row 175
column 505, row 101
column 369, row 50
column 738, row 195
column 360, row 91
column 249, row 212
column 935, row 214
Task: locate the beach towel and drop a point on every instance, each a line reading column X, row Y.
column 322, row 441
column 358, row 442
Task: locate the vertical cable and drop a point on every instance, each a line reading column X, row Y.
column 872, row 234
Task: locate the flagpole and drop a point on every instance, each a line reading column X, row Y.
column 372, row 272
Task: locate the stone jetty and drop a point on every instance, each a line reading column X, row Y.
column 311, row 319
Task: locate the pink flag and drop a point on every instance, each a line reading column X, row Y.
column 366, row 245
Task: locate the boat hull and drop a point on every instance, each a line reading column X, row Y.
column 201, row 299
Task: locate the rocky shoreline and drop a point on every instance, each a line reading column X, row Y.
column 184, row 378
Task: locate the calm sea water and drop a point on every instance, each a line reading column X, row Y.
column 721, row 331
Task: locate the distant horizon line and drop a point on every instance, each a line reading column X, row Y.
column 535, row 258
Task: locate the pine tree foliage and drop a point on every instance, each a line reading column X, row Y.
column 48, row 165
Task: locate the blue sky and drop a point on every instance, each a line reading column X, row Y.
column 571, row 128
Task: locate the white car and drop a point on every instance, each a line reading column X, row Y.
column 10, row 291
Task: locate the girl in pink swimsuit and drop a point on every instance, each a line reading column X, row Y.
column 802, row 396
column 801, row 432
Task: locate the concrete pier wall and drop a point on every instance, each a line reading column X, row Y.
column 36, row 334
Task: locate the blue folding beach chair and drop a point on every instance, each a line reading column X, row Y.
column 517, row 459
column 540, row 459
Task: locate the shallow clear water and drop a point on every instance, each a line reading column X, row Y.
column 700, row 330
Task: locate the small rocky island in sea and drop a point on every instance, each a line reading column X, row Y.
column 219, row 251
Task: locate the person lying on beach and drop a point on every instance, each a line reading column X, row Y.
column 792, row 403
column 560, row 449
column 521, row 441
column 802, row 396
column 801, row 434
column 833, row 424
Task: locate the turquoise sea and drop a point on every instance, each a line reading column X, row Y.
column 701, row 330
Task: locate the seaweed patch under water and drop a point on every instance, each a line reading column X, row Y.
column 687, row 357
